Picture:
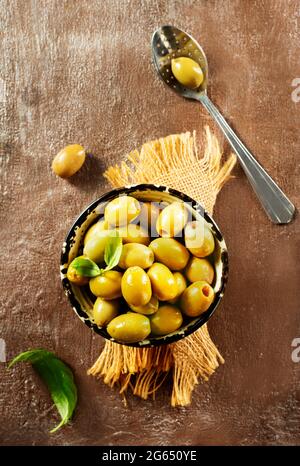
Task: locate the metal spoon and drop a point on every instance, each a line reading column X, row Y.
column 170, row 42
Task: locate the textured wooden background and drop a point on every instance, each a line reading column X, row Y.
column 80, row 71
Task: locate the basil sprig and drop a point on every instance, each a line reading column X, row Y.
column 112, row 253
column 57, row 376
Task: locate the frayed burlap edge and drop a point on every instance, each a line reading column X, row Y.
column 172, row 161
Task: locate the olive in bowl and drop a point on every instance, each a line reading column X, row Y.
column 144, row 265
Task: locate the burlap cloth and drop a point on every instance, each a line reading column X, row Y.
column 171, row 161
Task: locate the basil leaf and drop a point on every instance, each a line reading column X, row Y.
column 32, row 356
column 85, row 267
column 57, row 376
column 113, row 250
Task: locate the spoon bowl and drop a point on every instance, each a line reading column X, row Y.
column 169, row 42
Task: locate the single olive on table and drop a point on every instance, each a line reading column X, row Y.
column 149, row 268
column 68, row 161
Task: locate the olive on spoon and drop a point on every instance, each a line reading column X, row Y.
column 182, row 65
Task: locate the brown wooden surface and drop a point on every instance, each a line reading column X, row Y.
column 80, row 71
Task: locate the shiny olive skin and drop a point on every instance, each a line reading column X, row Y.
column 136, row 286
column 147, row 309
column 95, row 246
column 166, row 320
column 181, row 286
column 199, row 239
column 172, row 220
column 149, row 214
column 74, row 277
column 104, row 311
column 199, row 269
column 95, row 230
column 162, row 281
column 187, row 71
column 121, row 211
column 136, row 254
column 107, row 285
column 129, row 328
column 68, row 161
column 133, row 233
column 196, row 299
column 170, row 252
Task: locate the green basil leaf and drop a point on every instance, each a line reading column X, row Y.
column 113, row 250
column 57, row 376
column 85, row 267
column 30, row 356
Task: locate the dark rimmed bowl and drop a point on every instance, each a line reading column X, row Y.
column 80, row 297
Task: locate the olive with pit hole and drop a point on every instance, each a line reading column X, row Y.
column 136, row 254
column 170, row 252
column 104, row 311
column 181, row 286
column 172, row 219
column 147, row 309
column 95, row 230
column 199, row 239
column 94, row 248
column 187, row 71
column 166, row 320
column 162, row 281
column 107, row 285
column 68, row 161
column 74, row 277
column 129, row 328
column 136, row 286
column 133, row 233
column 199, row 269
column 121, row 211
column 196, row 298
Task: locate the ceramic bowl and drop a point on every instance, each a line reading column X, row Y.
column 81, row 298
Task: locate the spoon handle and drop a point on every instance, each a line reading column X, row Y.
column 276, row 204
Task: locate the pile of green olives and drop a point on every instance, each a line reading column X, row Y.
column 165, row 273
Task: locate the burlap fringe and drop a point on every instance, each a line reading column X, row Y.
column 173, row 161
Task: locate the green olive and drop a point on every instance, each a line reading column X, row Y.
column 187, row 71
column 95, row 246
column 68, row 161
column 121, row 211
column 172, row 219
column 181, row 286
column 133, row 233
column 147, row 309
column 136, row 254
column 149, row 214
column 199, row 269
column 196, row 298
column 104, row 311
column 136, row 286
column 170, row 252
column 95, row 230
column 129, row 328
column 162, row 281
column 199, row 239
column 166, row 320
column 107, row 285
column 74, row 277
